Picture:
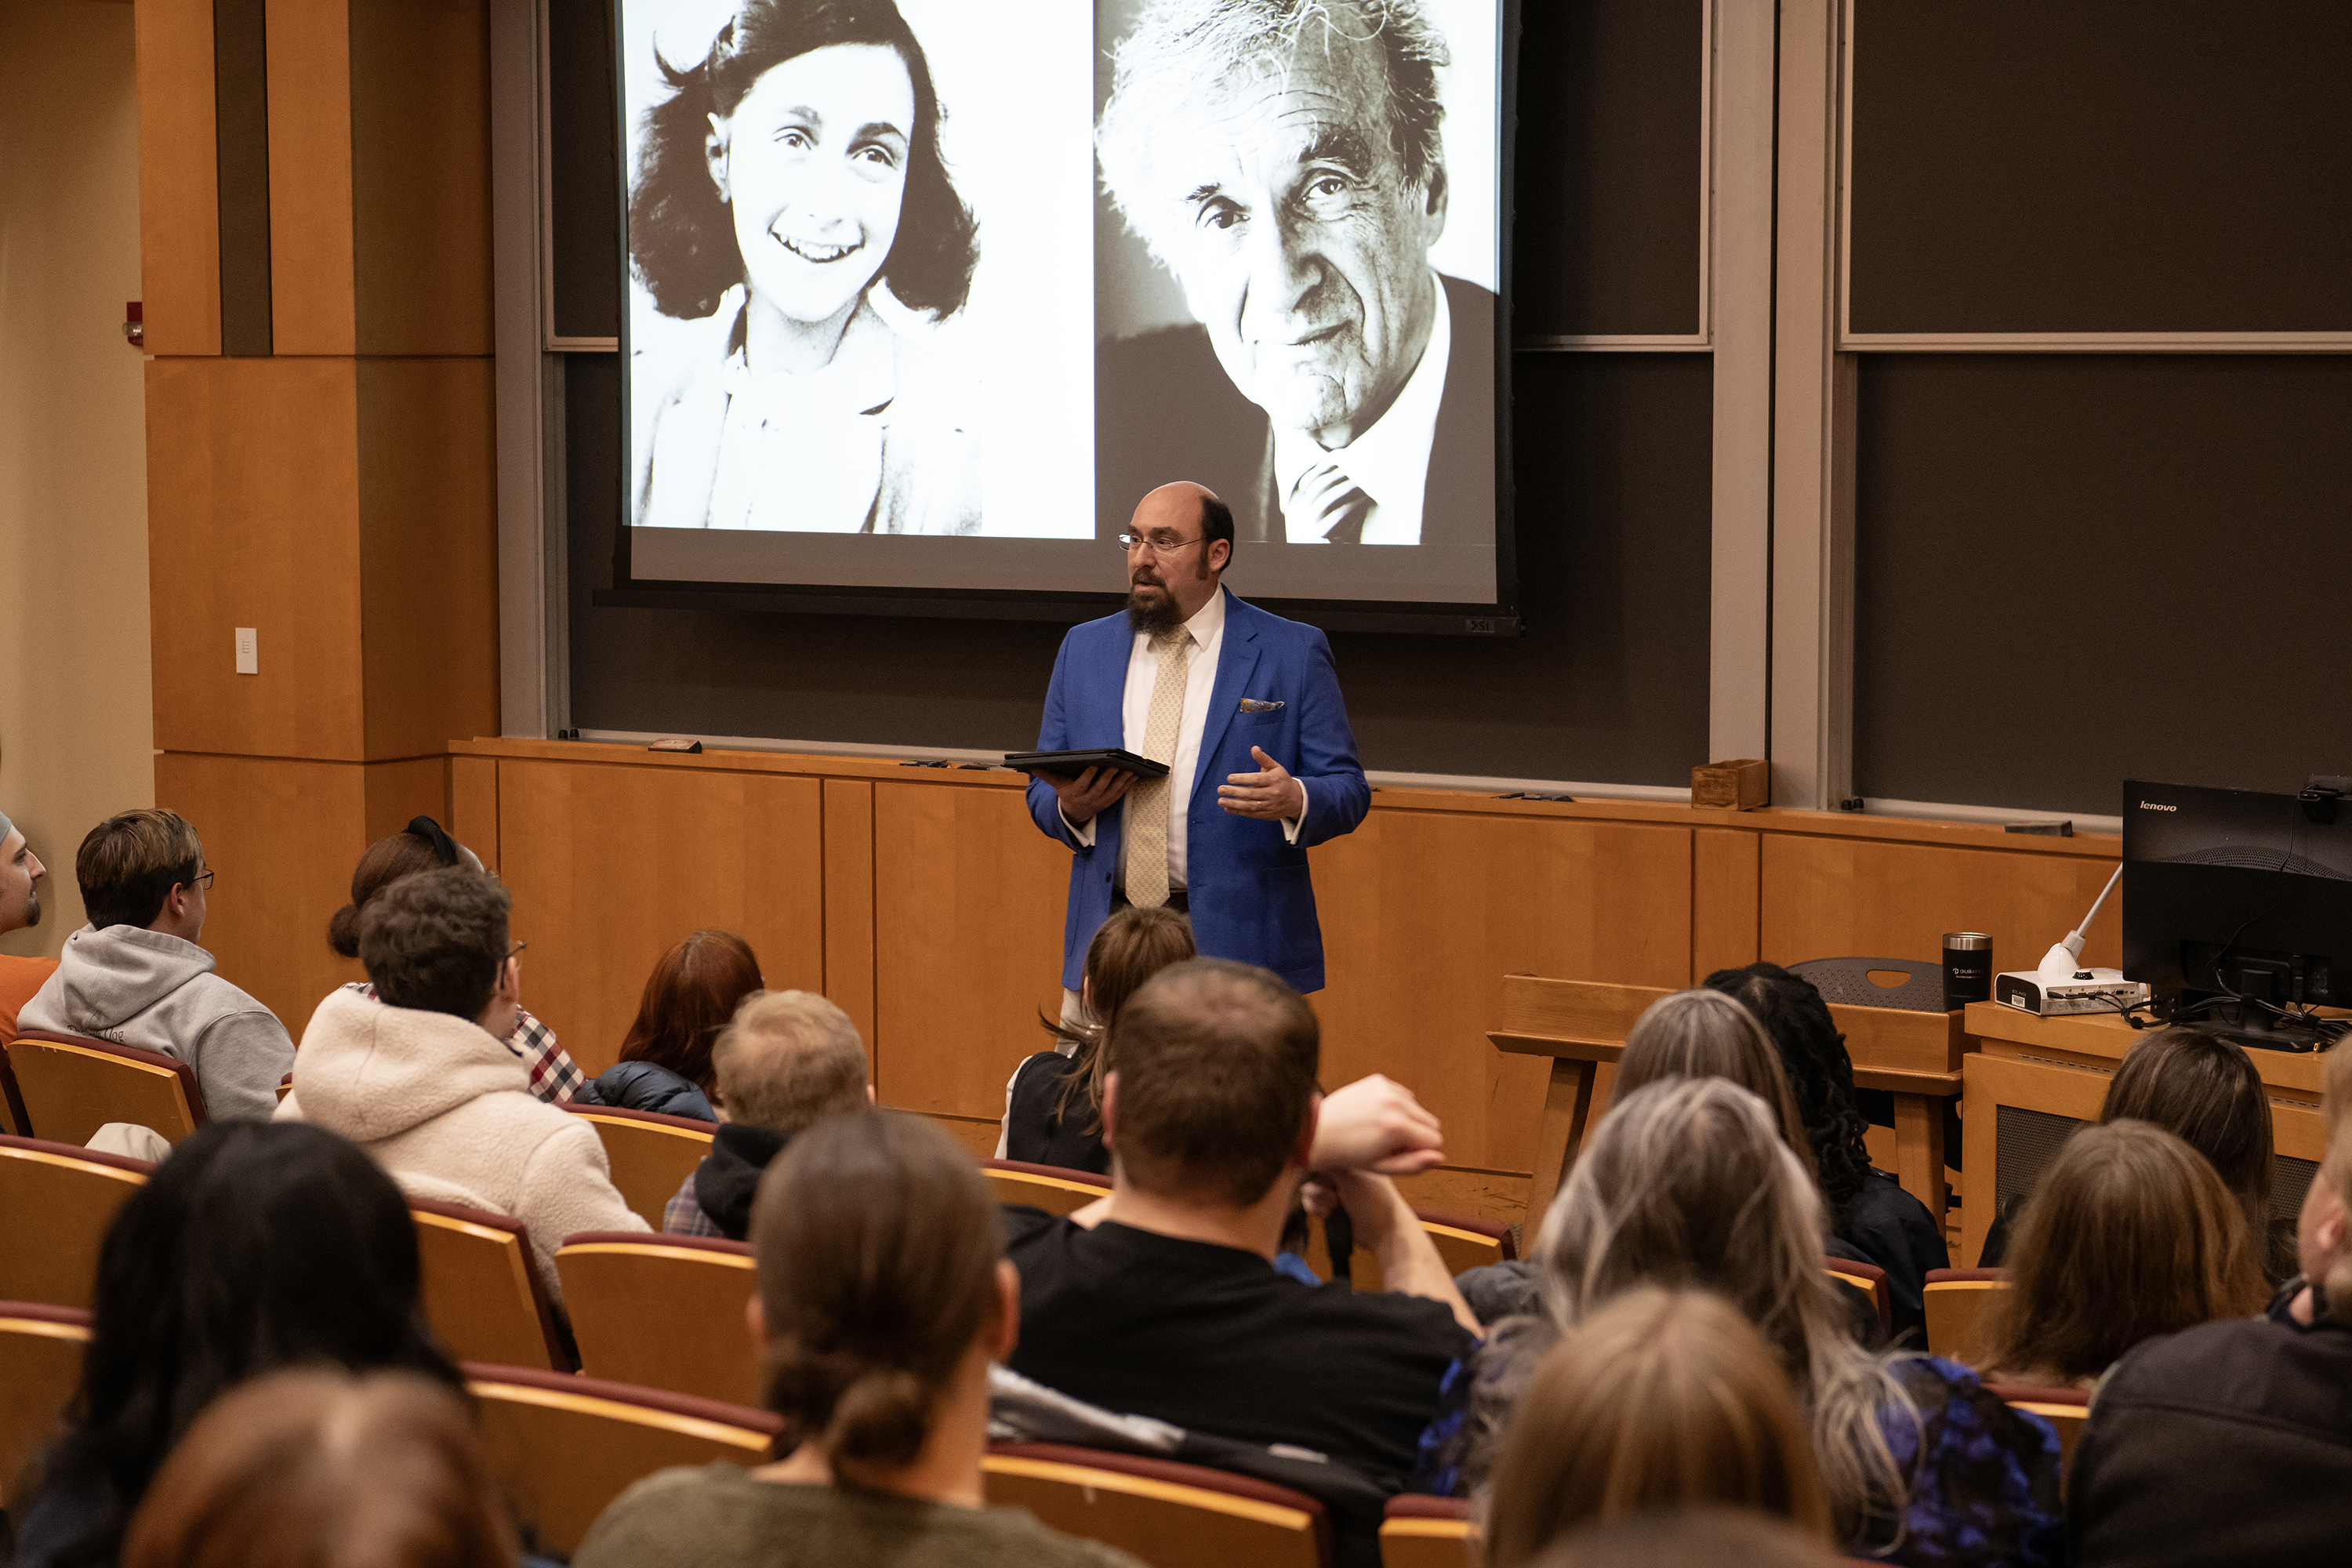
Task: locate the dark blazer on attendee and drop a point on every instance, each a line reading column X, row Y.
column 1246, row 885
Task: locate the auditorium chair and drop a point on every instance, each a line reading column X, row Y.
column 1463, row 1241
column 71, row 1087
column 1958, row 1301
column 562, row 1448
column 13, row 1119
column 651, row 1153
column 1172, row 1515
column 40, row 1366
column 482, row 1293
column 662, row 1312
column 1425, row 1532
column 284, row 1088
column 2064, row 1408
column 1054, row 1188
column 1871, row 1280
column 55, row 1204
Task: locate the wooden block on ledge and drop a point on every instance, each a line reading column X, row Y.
column 1742, row 784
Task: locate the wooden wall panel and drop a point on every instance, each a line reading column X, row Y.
column 1725, row 892
column 311, row 178
column 473, row 818
column 252, row 506
column 1424, row 912
column 1840, row 898
column 968, row 905
column 611, row 866
column 284, row 835
column 399, row 792
column 179, row 179
column 849, row 902
column 428, row 545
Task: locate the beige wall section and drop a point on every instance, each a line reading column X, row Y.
column 76, row 733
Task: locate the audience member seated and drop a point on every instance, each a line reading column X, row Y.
column 884, row 1296
column 421, row 1078
column 788, row 1060
column 1685, row 1184
column 325, row 1470
column 20, row 907
column 1689, row 1538
column 1868, row 1210
column 665, row 1062
column 422, row 846
column 1053, row 1101
column 2229, row 1444
column 1660, row 1400
column 252, row 1248
column 2207, row 1093
column 2131, row 1235
column 134, row 975
column 1163, row 1300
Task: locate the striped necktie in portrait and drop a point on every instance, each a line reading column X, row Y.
column 1146, row 867
column 1330, row 504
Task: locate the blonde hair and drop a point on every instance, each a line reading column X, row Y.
column 1661, row 1399
column 1688, row 1183
column 1706, row 1034
column 787, row 1060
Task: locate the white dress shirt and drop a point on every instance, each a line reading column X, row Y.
column 1388, row 462
column 1206, row 632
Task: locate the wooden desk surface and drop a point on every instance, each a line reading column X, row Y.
column 2101, row 1040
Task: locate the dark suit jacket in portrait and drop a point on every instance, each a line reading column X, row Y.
column 1246, row 884
column 1165, row 409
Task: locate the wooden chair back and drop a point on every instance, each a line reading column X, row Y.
column 663, row 1311
column 1170, row 1514
column 651, row 1155
column 480, row 1286
column 1425, row 1532
column 1054, row 1188
column 2066, row 1409
column 55, row 1204
column 1871, row 1280
column 71, row 1087
column 562, row 1448
column 1959, row 1302
column 13, row 1119
column 1464, row 1241
column 40, row 1366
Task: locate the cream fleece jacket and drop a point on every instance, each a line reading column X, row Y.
column 447, row 1111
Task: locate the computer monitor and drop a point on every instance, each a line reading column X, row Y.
column 2235, row 894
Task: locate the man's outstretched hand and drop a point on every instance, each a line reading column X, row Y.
column 1271, row 794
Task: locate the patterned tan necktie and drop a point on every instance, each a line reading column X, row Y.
column 1328, row 504
column 1146, row 803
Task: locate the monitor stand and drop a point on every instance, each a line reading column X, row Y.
column 2291, row 1037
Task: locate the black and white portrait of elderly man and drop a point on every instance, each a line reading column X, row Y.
column 1284, row 162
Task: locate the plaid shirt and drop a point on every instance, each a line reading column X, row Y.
column 555, row 1078
column 683, row 1216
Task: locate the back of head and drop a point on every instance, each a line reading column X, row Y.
column 788, row 1060
column 1659, row 1400
column 2130, row 1235
column 1128, row 948
column 1706, row 1034
column 1814, row 1058
column 435, row 941
column 1690, row 1538
column 256, row 1245
column 877, row 1244
column 2207, row 1093
column 692, row 991
column 385, row 862
column 322, row 1469
column 127, row 864
column 1215, row 1066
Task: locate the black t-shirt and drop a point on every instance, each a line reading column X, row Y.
column 1212, row 1339
column 1893, row 1229
column 1035, row 1130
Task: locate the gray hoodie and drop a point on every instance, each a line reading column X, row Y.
column 139, row 987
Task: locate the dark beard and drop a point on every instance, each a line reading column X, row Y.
column 1152, row 620
column 33, row 909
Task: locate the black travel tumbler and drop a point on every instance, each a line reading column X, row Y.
column 1968, row 968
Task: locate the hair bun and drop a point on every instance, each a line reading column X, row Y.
column 882, row 1417
column 343, row 931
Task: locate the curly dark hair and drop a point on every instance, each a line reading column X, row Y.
column 681, row 237
column 1821, row 1073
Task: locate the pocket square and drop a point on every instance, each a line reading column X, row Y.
column 1251, row 705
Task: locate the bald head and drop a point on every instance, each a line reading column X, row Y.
column 1191, row 535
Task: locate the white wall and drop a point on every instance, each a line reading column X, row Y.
column 76, row 706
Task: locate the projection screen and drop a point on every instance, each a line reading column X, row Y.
column 928, row 296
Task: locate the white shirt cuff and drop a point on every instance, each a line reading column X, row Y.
column 1291, row 825
column 1082, row 837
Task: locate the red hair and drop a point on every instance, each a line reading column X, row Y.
column 689, row 997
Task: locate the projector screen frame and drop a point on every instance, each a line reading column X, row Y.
column 1499, row 617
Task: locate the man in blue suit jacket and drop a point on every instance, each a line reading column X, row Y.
column 1261, row 716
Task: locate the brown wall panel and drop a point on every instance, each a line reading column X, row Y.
column 1725, row 892
column 252, row 521
column 611, row 866
column 400, row 792
column 179, row 182
column 473, row 818
column 1842, row 898
column 310, row 177
column 968, row 902
column 428, row 541
column 1424, row 912
column 420, row 139
column 849, row 902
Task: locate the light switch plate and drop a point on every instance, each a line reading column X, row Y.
column 249, row 652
